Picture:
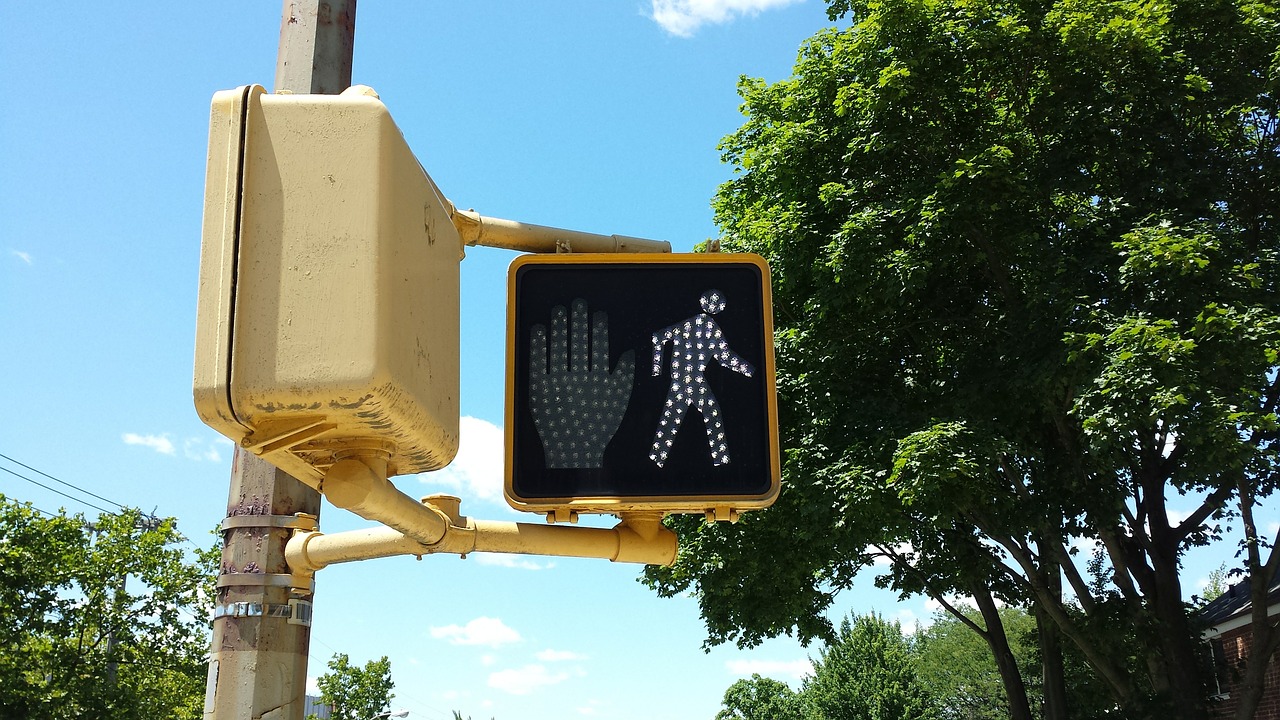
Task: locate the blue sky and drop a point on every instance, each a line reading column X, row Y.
column 594, row 115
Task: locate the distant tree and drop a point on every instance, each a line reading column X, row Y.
column 1219, row 581
column 104, row 620
column 356, row 693
column 867, row 673
column 761, row 698
column 958, row 668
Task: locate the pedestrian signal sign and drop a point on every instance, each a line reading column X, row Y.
column 640, row 382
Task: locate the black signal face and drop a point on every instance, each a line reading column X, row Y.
column 640, row 382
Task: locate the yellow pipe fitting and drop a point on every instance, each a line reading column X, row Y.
column 642, row 536
column 360, row 484
column 314, row 550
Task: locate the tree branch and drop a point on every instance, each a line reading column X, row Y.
column 1136, row 527
column 931, row 591
column 1122, row 575
column 1078, row 585
column 1113, row 674
column 1211, row 504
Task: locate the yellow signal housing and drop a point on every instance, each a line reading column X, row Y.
column 328, row 311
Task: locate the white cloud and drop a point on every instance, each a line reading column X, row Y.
column 160, row 443
column 559, row 655
column 481, row 631
column 476, row 472
column 794, row 669
column 522, row 681
column 193, row 448
column 23, row 256
column 683, row 17
column 199, row 449
column 313, row 686
column 908, row 621
column 510, row 561
column 590, row 709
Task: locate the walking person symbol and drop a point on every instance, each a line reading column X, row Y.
column 694, row 343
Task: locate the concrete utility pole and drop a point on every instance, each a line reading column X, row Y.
column 262, row 624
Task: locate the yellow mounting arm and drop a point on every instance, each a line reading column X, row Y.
column 435, row 525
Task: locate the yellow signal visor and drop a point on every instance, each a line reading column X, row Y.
column 327, row 320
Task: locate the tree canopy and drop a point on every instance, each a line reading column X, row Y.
column 761, row 698
column 960, row 671
column 107, row 619
column 1026, row 267
column 867, row 672
column 353, row 692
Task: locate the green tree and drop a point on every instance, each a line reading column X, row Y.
column 958, row 668
column 961, row 673
column 1219, row 581
column 1025, row 268
column 354, row 692
column 867, row 673
column 761, row 698
column 101, row 620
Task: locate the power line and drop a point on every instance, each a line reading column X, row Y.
column 150, row 521
column 63, row 482
column 55, row 490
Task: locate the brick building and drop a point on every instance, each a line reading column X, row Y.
column 1228, row 637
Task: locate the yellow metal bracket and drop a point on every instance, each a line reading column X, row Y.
column 261, row 443
column 722, row 514
column 300, row 521
column 562, row 515
column 305, row 584
column 435, row 524
column 299, row 583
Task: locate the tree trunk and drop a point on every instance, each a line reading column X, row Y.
column 1054, row 677
column 1176, row 646
column 1049, row 637
column 1014, row 687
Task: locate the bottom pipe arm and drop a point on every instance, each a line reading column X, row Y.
column 640, row 539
